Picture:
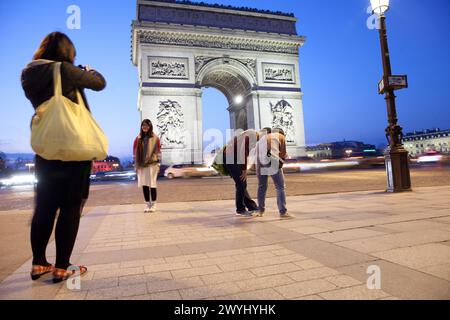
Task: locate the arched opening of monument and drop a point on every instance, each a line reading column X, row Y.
column 222, row 80
column 215, row 119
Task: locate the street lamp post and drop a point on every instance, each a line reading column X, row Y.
column 396, row 156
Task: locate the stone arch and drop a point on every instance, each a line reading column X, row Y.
column 205, row 63
column 233, row 78
column 228, row 75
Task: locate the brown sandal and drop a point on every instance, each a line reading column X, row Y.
column 38, row 271
column 63, row 274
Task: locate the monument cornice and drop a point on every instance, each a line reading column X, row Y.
column 253, row 41
column 206, row 16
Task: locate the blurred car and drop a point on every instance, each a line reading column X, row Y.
column 189, row 170
column 19, row 180
column 296, row 164
column 430, row 157
column 291, row 165
column 114, row 176
column 368, row 162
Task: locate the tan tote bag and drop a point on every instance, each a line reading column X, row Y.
column 64, row 130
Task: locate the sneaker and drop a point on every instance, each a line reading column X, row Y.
column 152, row 207
column 286, row 216
column 260, row 213
column 245, row 214
column 149, row 207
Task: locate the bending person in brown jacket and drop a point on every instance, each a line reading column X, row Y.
column 271, row 154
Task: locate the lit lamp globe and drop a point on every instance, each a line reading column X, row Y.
column 379, row 6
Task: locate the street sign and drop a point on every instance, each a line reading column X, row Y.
column 392, row 83
column 398, row 82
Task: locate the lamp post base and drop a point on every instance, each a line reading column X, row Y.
column 397, row 170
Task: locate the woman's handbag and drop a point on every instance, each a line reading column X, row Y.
column 153, row 158
column 64, row 130
column 219, row 162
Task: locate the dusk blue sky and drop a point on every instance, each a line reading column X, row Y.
column 340, row 66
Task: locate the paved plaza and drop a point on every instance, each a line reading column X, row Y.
column 201, row 250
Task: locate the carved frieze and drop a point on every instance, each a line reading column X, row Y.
column 168, row 68
column 281, row 73
column 283, row 117
column 218, row 42
column 171, row 126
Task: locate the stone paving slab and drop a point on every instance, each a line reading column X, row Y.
column 402, row 282
column 200, row 250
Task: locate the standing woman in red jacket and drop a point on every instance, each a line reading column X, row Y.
column 147, row 157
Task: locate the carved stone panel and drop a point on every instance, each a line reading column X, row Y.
column 278, row 73
column 216, row 42
column 283, row 117
column 168, row 68
column 171, row 125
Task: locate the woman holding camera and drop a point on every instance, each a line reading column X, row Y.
column 61, row 184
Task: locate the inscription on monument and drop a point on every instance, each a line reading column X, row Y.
column 168, row 68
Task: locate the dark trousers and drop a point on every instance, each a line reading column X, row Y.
column 243, row 199
column 61, row 185
column 147, row 191
column 86, row 188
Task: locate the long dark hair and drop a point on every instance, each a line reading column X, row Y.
column 140, row 152
column 56, row 46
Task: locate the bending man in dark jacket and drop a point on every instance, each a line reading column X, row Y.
column 236, row 159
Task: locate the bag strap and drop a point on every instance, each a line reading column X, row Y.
column 57, row 84
column 152, row 144
column 80, row 100
column 57, row 88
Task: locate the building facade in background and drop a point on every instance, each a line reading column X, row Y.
column 341, row 149
column 420, row 142
column 109, row 164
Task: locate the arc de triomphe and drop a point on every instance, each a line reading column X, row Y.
column 251, row 56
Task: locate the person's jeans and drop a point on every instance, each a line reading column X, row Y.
column 243, row 199
column 278, row 180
